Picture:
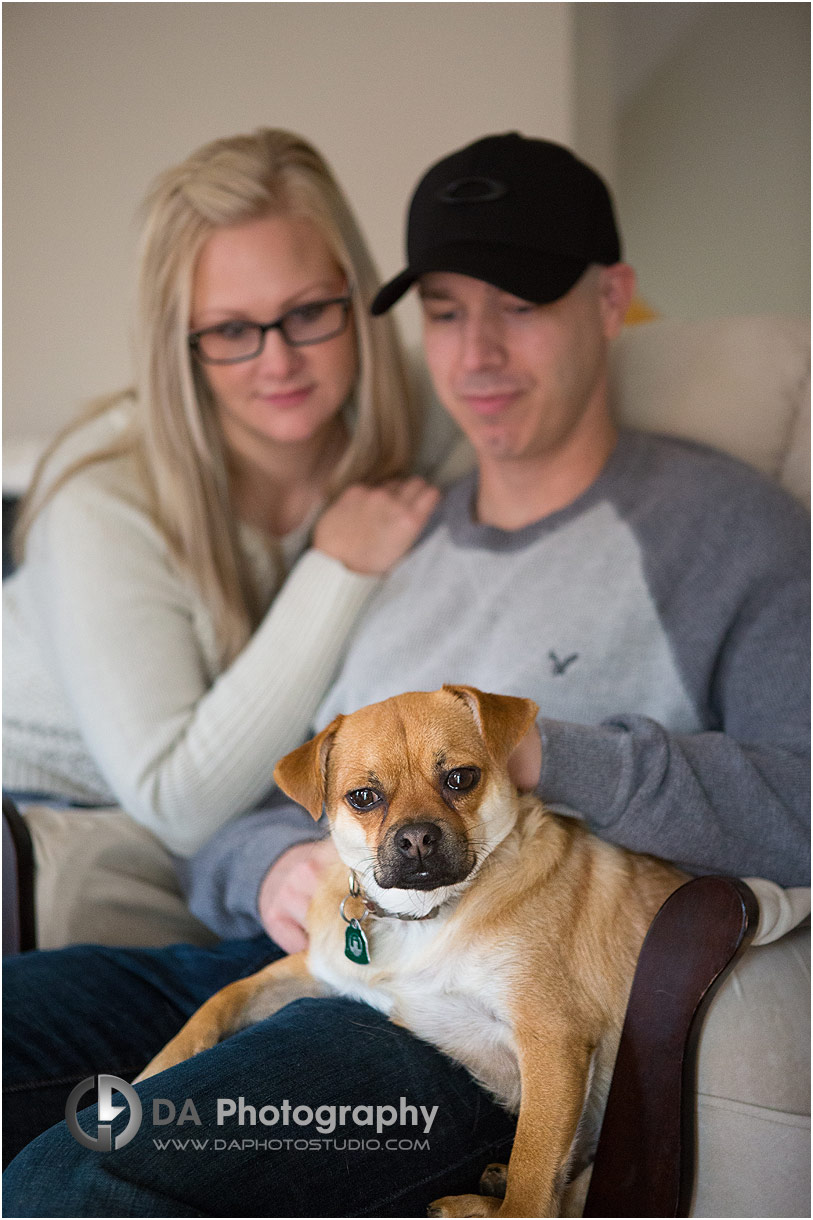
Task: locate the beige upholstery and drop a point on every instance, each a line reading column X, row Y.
column 103, row 879
column 753, row 1087
column 740, row 384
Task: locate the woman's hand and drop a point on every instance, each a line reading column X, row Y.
column 369, row 529
column 287, row 889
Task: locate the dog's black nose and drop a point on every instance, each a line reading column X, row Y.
column 418, row 840
column 423, row 856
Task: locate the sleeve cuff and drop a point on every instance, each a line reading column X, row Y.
column 584, row 768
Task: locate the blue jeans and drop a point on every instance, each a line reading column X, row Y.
column 72, row 1013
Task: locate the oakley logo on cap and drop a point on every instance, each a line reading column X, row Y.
column 472, row 190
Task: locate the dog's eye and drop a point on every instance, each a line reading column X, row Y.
column 462, row 778
column 363, row 799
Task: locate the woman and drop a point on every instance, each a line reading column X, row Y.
column 184, row 594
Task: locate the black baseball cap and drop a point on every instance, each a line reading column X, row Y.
column 523, row 214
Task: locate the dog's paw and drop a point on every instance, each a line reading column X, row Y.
column 464, row 1205
column 159, row 1064
column 175, row 1052
column 494, row 1180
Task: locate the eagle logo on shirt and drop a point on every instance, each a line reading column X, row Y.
column 559, row 667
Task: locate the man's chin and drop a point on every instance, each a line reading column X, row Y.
column 494, row 440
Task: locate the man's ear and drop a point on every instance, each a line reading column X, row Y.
column 302, row 774
column 617, row 288
column 503, row 720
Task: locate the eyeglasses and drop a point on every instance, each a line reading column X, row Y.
column 230, row 342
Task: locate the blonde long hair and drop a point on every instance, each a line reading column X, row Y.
column 177, row 437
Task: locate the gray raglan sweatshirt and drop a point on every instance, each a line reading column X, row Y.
column 661, row 622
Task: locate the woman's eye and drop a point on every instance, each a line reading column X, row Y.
column 308, row 313
column 462, row 778
column 234, row 330
column 363, row 799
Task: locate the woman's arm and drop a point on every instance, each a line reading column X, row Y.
column 183, row 751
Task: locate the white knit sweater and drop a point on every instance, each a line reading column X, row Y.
column 112, row 691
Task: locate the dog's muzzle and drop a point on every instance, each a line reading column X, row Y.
column 423, row 856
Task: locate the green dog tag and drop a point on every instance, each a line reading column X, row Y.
column 355, row 944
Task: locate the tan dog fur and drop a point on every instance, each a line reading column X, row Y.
column 522, row 976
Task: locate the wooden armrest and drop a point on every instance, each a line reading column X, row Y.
column 19, row 929
column 644, row 1160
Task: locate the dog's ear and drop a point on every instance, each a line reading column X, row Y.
column 503, row 720
column 302, row 774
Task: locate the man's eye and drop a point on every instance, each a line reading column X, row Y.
column 363, row 799
column 462, row 778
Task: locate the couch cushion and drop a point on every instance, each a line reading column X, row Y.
column 102, row 878
column 740, row 384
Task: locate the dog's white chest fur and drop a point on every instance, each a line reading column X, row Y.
column 456, row 1002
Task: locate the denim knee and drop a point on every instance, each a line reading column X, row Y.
column 55, row 1176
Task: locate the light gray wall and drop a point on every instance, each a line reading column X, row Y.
column 698, row 114
column 98, row 98
column 618, row 48
column 594, row 93
column 713, row 165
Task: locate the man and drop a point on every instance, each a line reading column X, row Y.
column 591, row 571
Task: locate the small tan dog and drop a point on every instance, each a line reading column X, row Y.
column 499, row 932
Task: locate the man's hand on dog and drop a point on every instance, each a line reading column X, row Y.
column 287, row 889
column 525, row 764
